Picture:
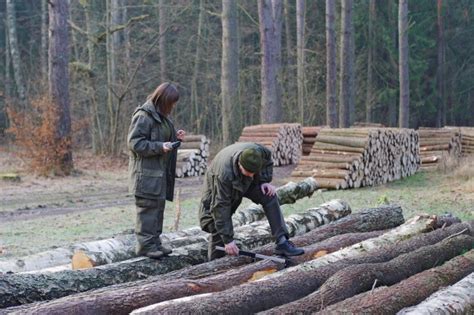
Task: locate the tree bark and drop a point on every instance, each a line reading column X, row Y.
column 139, row 296
column 163, row 13
column 370, row 56
column 271, row 111
column 59, row 79
column 196, row 119
column 404, row 117
column 441, row 71
column 361, row 278
column 286, row 286
column 455, row 299
column 389, row 300
column 331, row 71
column 344, row 93
column 230, row 72
column 15, row 54
column 44, row 40
column 300, row 56
column 26, row 288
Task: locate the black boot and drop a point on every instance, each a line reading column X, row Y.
column 165, row 249
column 287, row 248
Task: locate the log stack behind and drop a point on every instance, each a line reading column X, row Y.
column 355, row 157
column 309, row 138
column 467, row 139
column 192, row 156
column 284, row 140
column 437, row 145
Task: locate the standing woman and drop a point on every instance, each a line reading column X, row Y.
column 152, row 166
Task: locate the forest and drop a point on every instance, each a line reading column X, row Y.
column 118, row 51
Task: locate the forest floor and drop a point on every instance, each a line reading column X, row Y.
column 38, row 213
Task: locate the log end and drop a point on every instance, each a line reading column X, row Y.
column 81, row 261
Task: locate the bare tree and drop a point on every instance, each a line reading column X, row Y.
column 15, row 54
column 345, row 88
column 369, row 98
column 44, row 40
column 230, row 70
column 162, row 45
column 404, row 106
column 300, row 25
column 269, row 14
column 195, row 112
column 331, row 106
column 59, row 75
column 441, row 73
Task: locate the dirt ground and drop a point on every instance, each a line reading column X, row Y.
column 38, row 213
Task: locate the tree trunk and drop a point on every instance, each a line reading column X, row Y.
column 44, row 40
column 331, row 105
column 441, row 71
column 139, row 296
column 230, row 71
column 345, row 88
column 163, row 13
column 283, row 287
column 455, row 299
column 371, row 44
column 389, row 300
column 361, row 278
column 59, row 79
column 300, row 40
column 271, row 111
column 15, row 54
column 195, row 106
column 27, row 288
column 404, row 117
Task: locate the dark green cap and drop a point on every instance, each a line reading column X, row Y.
column 251, row 160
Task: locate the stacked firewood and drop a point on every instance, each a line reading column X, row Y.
column 285, row 140
column 438, row 145
column 309, row 138
column 370, row 261
column 467, row 139
column 355, row 157
column 192, row 156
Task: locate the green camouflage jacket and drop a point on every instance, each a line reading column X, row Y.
column 225, row 186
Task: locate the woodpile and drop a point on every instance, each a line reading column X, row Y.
column 437, row 146
column 364, row 262
column 284, row 140
column 192, row 156
column 356, row 157
column 467, row 139
column 309, row 138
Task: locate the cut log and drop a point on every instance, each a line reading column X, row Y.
column 18, row 289
column 280, row 288
column 361, row 278
column 139, row 296
column 389, row 300
column 456, row 299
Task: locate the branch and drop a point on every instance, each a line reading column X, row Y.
column 117, row 28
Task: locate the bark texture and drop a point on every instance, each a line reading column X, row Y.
column 281, row 288
column 361, row 278
column 389, row 300
column 455, row 299
column 154, row 292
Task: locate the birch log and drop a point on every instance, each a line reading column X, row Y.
column 456, row 299
column 18, row 289
column 280, row 288
column 389, row 300
column 361, row 278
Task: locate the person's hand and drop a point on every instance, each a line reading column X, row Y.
column 232, row 249
column 167, row 147
column 268, row 189
column 180, row 134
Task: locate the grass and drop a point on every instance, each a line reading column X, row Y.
column 450, row 190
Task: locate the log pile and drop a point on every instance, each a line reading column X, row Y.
column 284, row 140
column 309, row 138
column 355, row 157
column 192, row 156
column 365, row 262
column 467, row 139
column 437, row 146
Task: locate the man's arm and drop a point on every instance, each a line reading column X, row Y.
column 139, row 135
column 266, row 174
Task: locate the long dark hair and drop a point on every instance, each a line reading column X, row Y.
column 164, row 97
